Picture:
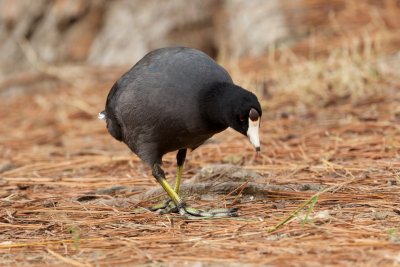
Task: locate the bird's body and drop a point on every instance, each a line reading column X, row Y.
column 156, row 114
column 175, row 99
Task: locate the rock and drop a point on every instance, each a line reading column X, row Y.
column 380, row 215
column 225, row 172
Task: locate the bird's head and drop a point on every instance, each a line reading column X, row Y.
column 245, row 116
column 228, row 105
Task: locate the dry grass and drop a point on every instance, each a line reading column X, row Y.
column 330, row 138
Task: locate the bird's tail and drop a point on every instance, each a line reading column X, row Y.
column 102, row 115
column 113, row 126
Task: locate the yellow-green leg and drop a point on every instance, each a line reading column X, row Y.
column 180, row 206
column 180, row 160
column 178, row 179
column 168, row 206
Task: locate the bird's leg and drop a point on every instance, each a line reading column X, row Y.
column 180, row 160
column 171, row 204
column 168, row 206
column 158, row 173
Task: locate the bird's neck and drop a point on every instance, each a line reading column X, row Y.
column 216, row 106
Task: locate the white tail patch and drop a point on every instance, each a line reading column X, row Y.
column 102, row 116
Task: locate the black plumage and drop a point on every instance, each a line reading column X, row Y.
column 174, row 99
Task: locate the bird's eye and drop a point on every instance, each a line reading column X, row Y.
column 241, row 118
column 254, row 116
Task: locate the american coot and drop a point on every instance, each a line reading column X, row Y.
column 174, row 99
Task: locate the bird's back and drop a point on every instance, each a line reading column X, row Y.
column 157, row 100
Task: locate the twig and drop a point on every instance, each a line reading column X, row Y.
column 311, row 201
column 19, row 245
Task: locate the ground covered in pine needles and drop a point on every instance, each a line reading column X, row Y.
column 323, row 191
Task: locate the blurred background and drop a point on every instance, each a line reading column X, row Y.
column 120, row 32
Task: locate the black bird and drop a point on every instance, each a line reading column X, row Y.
column 174, row 99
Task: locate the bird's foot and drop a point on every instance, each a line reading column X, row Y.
column 168, row 206
column 193, row 213
column 165, row 207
